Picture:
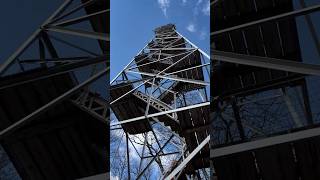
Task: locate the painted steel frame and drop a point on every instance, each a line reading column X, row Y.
column 132, row 68
column 276, row 64
column 41, row 34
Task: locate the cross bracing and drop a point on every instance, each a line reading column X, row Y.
column 160, row 101
column 265, row 118
column 54, row 107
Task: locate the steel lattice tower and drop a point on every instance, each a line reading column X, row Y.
column 264, row 124
column 54, row 109
column 160, row 102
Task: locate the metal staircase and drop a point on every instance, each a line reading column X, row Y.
column 93, row 104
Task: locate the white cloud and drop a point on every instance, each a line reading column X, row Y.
column 117, row 134
column 164, row 5
column 197, row 7
column 191, row 27
column 114, row 177
column 203, row 35
column 206, row 9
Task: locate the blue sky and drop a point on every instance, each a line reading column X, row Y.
column 133, row 22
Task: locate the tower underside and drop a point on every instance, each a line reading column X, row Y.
column 160, row 89
column 263, row 121
column 53, row 112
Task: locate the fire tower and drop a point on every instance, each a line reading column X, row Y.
column 160, row 103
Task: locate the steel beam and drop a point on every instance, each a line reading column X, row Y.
column 83, row 5
column 187, row 69
column 150, row 162
column 291, row 14
column 169, row 49
column 52, row 50
column 159, row 60
column 95, row 106
column 80, row 19
column 91, row 112
column 73, row 45
column 9, row 130
column 31, row 39
column 77, row 32
column 129, row 92
column 128, row 64
column 142, row 153
column 166, row 154
column 266, row 142
column 128, row 156
column 188, row 159
column 266, row 62
column 161, row 113
column 42, row 54
column 173, row 78
column 53, row 71
column 200, row 50
column 67, row 59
